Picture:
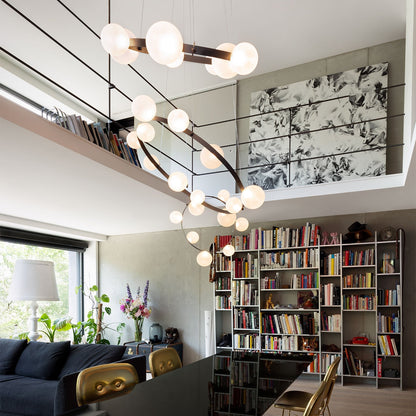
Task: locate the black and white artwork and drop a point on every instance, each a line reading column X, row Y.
column 325, row 129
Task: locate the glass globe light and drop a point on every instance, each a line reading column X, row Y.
column 164, row 42
column 208, row 159
column 226, row 220
column 129, row 56
column 234, row 205
column 145, row 132
column 221, row 66
column 197, row 196
column 196, row 209
column 177, row 181
column 132, row 140
column 244, row 58
column 241, row 224
column 192, row 237
column 223, row 194
column 204, row 258
column 143, row 108
column 210, row 69
column 114, row 39
column 148, row 164
column 228, row 250
column 253, row 197
column 177, row 62
column 175, row 217
column 178, row 120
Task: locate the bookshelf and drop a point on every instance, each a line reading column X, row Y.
column 289, row 293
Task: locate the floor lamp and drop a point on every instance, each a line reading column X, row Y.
column 33, row 280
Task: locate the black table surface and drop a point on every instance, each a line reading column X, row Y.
column 235, row 383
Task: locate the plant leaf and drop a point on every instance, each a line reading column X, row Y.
column 105, row 298
column 108, row 310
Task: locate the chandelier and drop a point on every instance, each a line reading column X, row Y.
column 164, row 44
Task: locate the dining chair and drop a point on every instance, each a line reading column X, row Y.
column 106, row 381
column 164, row 360
column 297, row 401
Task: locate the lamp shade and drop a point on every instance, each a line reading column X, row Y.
column 33, row 280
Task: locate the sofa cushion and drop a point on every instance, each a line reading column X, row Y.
column 10, row 350
column 87, row 355
column 42, row 359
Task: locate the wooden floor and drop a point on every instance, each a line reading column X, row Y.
column 360, row 400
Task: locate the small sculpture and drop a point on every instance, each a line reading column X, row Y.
column 269, row 303
column 309, row 344
column 334, row 239
column 325, row 238
column 172, row 335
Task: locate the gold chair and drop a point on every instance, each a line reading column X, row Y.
column 104, row 382
column 164, row 360
column 297, row 401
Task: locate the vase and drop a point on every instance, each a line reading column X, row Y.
column 138, row 330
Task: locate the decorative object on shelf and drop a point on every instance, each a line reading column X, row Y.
column 172, row 335
column 325, row 238
column 307, row 300
column 33, row 280
column 334, row 238
column 387, row 234
column 269, row 303
column 155, row 333
column 137, row 309
column 357, row 233
column 225, row 341
column 360, row 340
column 309, row 344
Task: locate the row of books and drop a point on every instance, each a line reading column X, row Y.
column 220, row 241
column 331, row 322
column 223, row 283
column 358, row 280
column 327, row 360
column 330, row 294
column 387, row 345
column 244, row 374
column 245, row 267
column 222, row 302
column 353, row 365
column 305, row 281
column 285, row 343
column 358, row 258
column 315, row 365
column 270, row 282
column 244, row 319
column 245, row 293
column 222, row 384
column 247, row 341
column 330, row 264
column 388, row 323
column 290, row 324
column 290, row 259
column 387, row 263
column 359, row 302
column 222, row 263
column 243, row 402
column 389, row 296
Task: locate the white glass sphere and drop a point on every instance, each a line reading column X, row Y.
column 192, row 237
column 208, row 159
column 196, row 209
column 234, row 205
column 178, row 120
column 210, row 69
column 132, row 140
column 177, row 181
column 226, row 220
column 164, row 42
column 223, row 194
column 129, row 56
column 175, row 217
column 143, row 108
column 244, row 58
column 114, row 39
column 253, row 197
column 228, row 250
column 145, row 132
column 241, row 224
column 177, row 62
column 221, row 66
column 204, row 258
column 148, row 164
column 197, row 196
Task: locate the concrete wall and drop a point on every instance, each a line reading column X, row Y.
column 180, row 291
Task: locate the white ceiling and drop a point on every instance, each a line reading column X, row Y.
column 49, row 183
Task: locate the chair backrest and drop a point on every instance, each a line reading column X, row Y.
column 106, row 381
column 330, row 377
column 164, row 360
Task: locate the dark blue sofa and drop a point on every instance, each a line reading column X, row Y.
column 39, row 378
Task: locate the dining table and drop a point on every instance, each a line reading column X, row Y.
column 227, row 383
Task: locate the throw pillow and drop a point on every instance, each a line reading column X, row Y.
column 10, row 350
column 42, row 359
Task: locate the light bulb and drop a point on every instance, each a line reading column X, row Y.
column 196, row 209
column 177, row 62
column 221, row 66
column 210, row 69
column 226, row 220
column 145, row 132
column 228, row 250
column 177, row 181
column 197, row 196
column 223, row 194
column 244, row 58
column 241, row 224
column 192, row 237
column 253, row 196
column 208, row 159
column 178, row 120
column 143, row 108
column 148, row 164
column 129, row 56
column 204, row 258
column 234, row 205
column 114, row 39
column 175, row 217
column 164, row 42
column 132, row 140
